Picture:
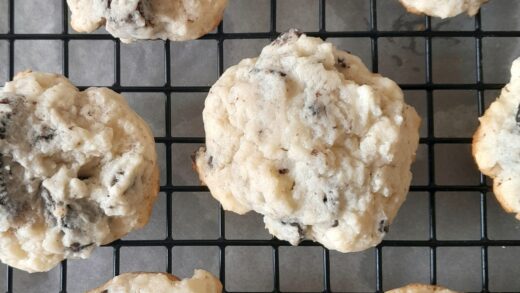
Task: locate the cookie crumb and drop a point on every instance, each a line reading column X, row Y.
column 210, row 161
column 77, row 247
column 341, row 62
column 383, row 226
column 517, row 117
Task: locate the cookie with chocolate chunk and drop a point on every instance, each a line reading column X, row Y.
column 77, row 170
column 130, row 20
column 421, row 288
column 201, row 282
column 307, row 136
column 443, row 8
column 496, row 143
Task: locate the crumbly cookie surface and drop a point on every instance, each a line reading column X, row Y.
column 496, row 143
column 443, row 8
column 307, row 136
column 201, row 282
column 421, row 288
column 129, row 20
column 78, row 169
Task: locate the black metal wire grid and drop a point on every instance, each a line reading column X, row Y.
column 168, row 140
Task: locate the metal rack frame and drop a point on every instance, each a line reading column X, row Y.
column 220, row 36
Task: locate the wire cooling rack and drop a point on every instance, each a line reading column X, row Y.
column 430, row 141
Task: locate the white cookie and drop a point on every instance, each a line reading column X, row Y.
column 129, row 20
column 201, row 282
column 421, row 288
column 78, row 169
column 443, row 8
column 307, row 136
column 496, row 143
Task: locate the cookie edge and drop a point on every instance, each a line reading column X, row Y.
column 497, row 191
column 105, row 285
column 412, row 10
column 419, row 286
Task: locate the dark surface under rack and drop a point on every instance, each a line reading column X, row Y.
column 430, row 140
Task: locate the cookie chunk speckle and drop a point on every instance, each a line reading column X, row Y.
column 324, row 152
column 517, row 116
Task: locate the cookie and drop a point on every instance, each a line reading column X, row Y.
column 307, row 136
column 421, row 288
column 496, row 143
column 201, row 282
column 78, row 169
column 130, row 20
column 443, row 8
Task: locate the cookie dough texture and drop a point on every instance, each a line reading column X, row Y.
column 443, row 8
column 129, row 20
column 201, row 282
column 420, row 288
column 77, row 169
column 307, row 136
column 496, row 143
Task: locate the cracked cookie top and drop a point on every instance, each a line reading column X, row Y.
column 77, row 170
column 307, row 136
column 130, row 20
